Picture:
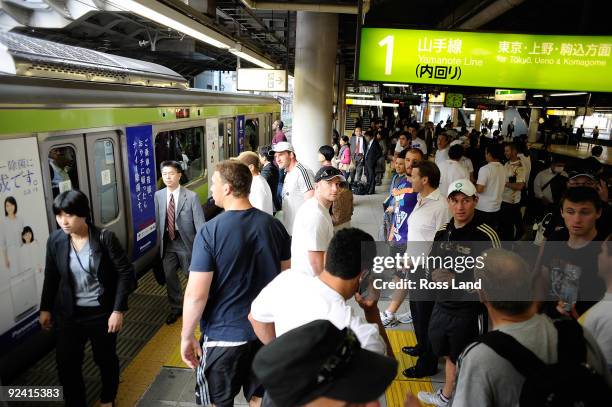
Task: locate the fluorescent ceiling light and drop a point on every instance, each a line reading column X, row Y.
column 356, row 95
column 396, row 85
column 245, row 53
column 568, row 94
column 538, row 96
column 168, row 17
column 360, row 102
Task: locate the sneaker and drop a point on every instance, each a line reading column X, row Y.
column 435, row 399
column 388, row 319
column 405, row 318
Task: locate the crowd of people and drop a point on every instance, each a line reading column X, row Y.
column 271, row 276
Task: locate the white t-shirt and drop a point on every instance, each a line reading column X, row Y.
column 399, row 148
column 467, row 163
column 526, row 161
column 420, row 144
column 312, row 231
column 294, row 299
column 441, row 156
column 261, row 195
column 298, row 181
column 427, row 217
column 598, row 321
column 493, row 177
column 451, row 171
column 513, row 169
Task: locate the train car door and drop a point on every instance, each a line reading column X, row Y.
column 222, row 143
column 230, row 137
column 105, row 183
column 90, row 163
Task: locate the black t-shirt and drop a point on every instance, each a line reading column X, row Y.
column 573, row 272
column 243, row 250
column 270, row 173
column 469, row 241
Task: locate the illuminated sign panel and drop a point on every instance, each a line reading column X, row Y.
column 554, row 62
column 560, row 112
column 439, row 98
column 507, row 94
column 266, row 80
column 454, row 100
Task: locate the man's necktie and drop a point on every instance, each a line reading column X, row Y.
column 170, row 218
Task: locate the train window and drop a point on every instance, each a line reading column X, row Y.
column 251, row 131
column 106, row 180
column 62, row 169
column 230, row 138
column 221, row 143
column 184, row 146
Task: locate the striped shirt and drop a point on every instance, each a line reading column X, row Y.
column 298, row 181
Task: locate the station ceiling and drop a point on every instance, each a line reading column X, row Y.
column 268, row 26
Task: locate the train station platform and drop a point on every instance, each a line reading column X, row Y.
column 152, row 372
column 169, row 382
column 582, row 150
column 156, row 376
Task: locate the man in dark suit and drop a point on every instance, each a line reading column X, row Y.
column 357, row 145
column 372, row 154
column 179, row 216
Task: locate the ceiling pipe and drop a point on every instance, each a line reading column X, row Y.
column 317, row 8
column 487, row 14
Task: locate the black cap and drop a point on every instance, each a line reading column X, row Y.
column 328, row 172
column 319, row 360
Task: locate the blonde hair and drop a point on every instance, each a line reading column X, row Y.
column 250, row 158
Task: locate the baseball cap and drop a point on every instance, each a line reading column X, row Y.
column 320, row 360
column 282, row 146
column 328, row 172
column 576, row 174
column 464, row 186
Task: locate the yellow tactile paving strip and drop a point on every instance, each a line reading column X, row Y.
column 174, row 360
column 396, row 392
column 145, row 367
column 164, row 350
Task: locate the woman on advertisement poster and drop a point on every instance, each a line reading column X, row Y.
column 30, row 257
column 88, row 279
column 12, row 225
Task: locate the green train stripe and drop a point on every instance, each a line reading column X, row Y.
column 202, row 192
column 18, row 121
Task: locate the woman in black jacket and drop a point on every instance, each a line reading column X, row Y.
column 87, row 282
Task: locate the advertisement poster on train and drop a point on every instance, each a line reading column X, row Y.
column 241, row 134
column 23, row 237
column 212, row 146
column 141, row 164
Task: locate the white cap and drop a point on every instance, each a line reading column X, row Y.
column 282, row 146
column 464, row 186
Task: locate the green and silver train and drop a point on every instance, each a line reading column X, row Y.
column 76, row 118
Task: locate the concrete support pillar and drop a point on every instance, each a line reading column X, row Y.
column 455, row 116
column 315, row 63
column 532, row 132
column 426, row 111
column 478, row 119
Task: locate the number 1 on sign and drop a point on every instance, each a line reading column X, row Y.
column 388, row 41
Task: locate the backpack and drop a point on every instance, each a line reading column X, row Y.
column 571, row 382
column 359, row 188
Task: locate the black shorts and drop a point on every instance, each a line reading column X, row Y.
column 450, row 334
column 228, row 369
